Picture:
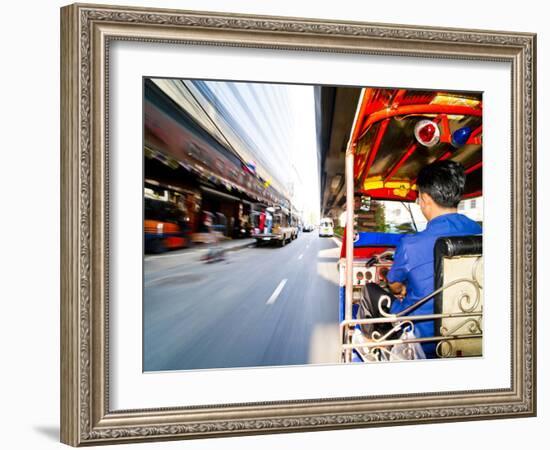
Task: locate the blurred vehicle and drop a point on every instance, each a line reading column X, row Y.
column 308, row 227
column 281, row 229
column 165, row 226
column 294, row 223
column 326, row 227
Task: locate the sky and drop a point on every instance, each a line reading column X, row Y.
column 275, row 125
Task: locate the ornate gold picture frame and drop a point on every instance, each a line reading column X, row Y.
column 87, row 32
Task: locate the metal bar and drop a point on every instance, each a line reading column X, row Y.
column 374, row 149
column 445, row 129
column 476, row 132
column 398, row 97
column 394, row 103
column 411, row 341
column 473, row 168
column 419, row 317
column 418, row 109
column 475, row 138
column 399, row 163
column 437, row 291
column 445, row 156
column 367, row 97
column 364, row 100
column 350, row 204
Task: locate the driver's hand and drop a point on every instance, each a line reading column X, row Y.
column 399, row 290
column 403, row 292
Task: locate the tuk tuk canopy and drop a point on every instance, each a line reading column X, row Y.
column 389, row 152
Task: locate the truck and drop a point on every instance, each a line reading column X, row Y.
column 273, row 224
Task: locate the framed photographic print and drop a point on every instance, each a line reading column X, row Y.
column 276, row 224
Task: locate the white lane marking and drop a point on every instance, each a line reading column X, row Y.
column 338, row 241
column 276, row 292
column 301, row 256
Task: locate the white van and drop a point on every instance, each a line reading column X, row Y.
column 326, row 228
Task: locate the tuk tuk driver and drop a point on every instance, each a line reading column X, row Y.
column 411, row 277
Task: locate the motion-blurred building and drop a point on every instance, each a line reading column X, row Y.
column 214, row 147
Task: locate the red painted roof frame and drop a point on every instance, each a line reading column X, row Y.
column 366, row 119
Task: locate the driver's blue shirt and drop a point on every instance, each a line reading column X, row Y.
column 413, row 266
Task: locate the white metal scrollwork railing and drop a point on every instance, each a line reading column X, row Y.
column 379, row 344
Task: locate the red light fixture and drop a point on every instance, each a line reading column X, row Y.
column 427, row 133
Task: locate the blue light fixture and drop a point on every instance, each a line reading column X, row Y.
column 461, row 136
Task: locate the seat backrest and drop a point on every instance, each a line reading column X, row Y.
column 458, row 264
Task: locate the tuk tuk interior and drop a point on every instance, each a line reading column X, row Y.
column 385, row 152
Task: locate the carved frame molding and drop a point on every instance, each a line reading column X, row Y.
column 86, row 32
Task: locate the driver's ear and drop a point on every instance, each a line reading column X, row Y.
column 426, row 199
column 421, row 199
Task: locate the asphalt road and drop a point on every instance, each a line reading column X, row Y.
column 261, row 306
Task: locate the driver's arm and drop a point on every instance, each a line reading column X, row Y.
column 399, row 272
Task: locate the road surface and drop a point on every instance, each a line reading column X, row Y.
column 261, row 306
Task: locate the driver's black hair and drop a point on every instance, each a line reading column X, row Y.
column 443, row 181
